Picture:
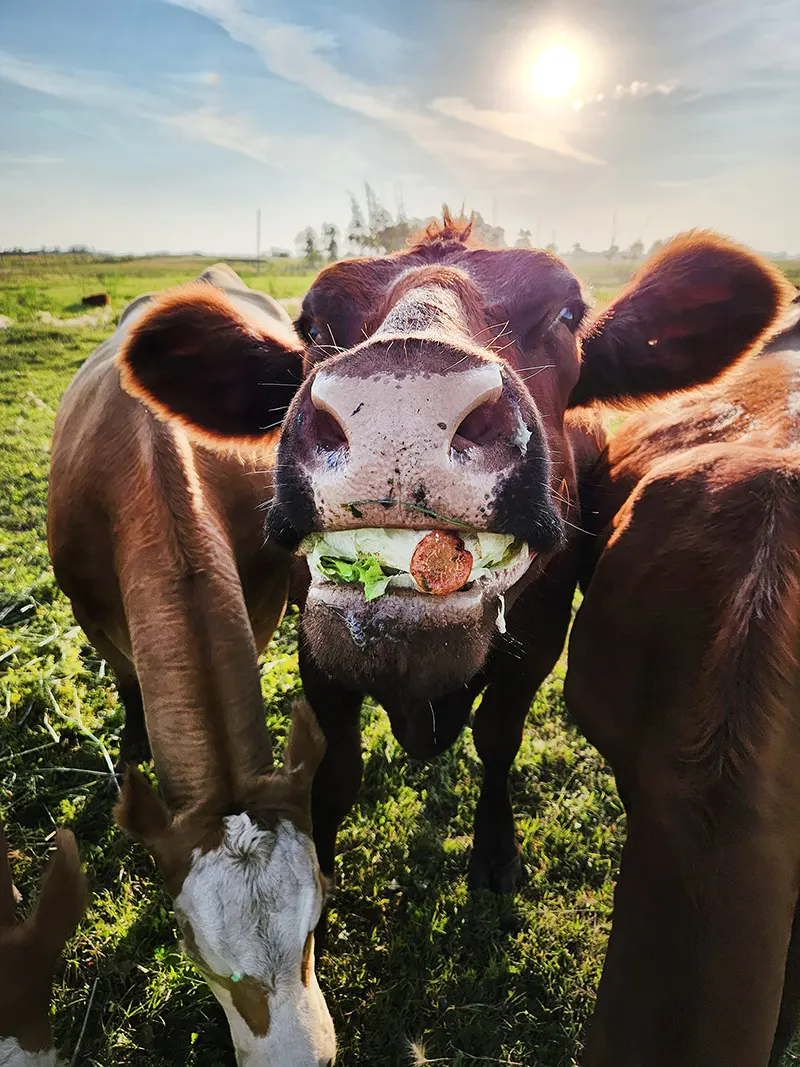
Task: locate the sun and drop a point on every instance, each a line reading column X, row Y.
column 554, row 70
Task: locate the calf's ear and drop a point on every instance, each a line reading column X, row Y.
column 690, row 313
column 63, row 898
column 193, row 358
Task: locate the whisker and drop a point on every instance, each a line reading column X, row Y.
column 539, row 371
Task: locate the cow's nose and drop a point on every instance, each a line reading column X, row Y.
column 434, row 411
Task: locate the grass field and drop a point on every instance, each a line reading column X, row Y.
column 412, row 955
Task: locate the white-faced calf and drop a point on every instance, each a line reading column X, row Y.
column 159, row 544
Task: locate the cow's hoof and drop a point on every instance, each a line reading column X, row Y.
column 485, row 872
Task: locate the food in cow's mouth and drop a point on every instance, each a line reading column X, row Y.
column 436, row 562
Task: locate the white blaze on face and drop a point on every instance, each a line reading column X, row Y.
column 11, row 1055
column 248, row 907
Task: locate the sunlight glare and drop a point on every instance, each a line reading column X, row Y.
column 554, row 70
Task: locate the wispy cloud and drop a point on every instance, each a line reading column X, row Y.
column 232, row 132
column 83, row 87
column 35, row 159
column 200, row 77
column 301, row 55
column 513, row 125
column 635, row 91
column 237, row 134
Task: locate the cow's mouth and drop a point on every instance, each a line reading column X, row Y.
column 408, row 611
column 438, row 567
column 430, row 575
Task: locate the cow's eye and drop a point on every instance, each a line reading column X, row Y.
column 314, row 333
column 571, row 317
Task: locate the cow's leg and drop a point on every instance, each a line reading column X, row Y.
column 537, row 626
column 338, row 777
column 134, row 744
column 789, row 1017
column 697, row 955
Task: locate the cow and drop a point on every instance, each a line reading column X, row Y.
column 439, row 394
column 30, row 952
column 96, row 300
column 684, row 671
column 158, row 543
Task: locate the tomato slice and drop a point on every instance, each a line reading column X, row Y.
column 440, row 563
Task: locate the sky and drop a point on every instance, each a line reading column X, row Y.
column 146, row 125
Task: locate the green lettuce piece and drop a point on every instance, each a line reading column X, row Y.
column 366, row 570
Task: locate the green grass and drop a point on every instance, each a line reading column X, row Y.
column 56, row 284
column 412, row 955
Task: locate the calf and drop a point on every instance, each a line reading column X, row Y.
column 437, row 396
column 684, row 670
column 30, row 952
column 158, row 543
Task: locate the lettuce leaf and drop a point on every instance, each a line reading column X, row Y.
column 366, row 570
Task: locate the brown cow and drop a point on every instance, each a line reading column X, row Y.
column 159, row 545
column 96, row 300
column 30, row 951
column 437, row 395
column 684, row 670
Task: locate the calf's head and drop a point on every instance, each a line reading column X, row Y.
column 30, row 951
column 435, row 387
column 247, row 894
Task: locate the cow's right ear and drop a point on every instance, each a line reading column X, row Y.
column 194, row 359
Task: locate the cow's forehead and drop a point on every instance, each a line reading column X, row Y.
column 498, row 273
column 251, row 901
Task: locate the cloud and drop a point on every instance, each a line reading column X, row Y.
column 36, row 159
column 301, row 55
column 82, row 87
column 513, row 125
column 640, row 89
column 635, row 91
column 201, row 77
column 231, row 132
column 236, row 134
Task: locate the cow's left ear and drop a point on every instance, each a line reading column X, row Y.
column 691, row 312
column 193, row 358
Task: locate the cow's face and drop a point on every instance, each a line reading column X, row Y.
column 435, row 384
column 248, row 893
column 443, row 411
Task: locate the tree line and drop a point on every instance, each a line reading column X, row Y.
column 373, row 230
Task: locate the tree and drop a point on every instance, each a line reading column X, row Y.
column 611, row 252
column 357, row 232
column 656, row 246
column 378, row 218
column 491, row 236
column 576, row 249
column 552, row 248
column 306, row 242
column 636, row 250
column 524, row 239
column 330, row 240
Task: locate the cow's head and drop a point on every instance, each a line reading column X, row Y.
column 248, row 893
column 30, row 951
column 436, row 384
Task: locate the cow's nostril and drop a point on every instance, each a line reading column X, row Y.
column 328, row 431
column 481, row 427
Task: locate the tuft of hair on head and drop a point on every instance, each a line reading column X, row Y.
column 449, row 229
